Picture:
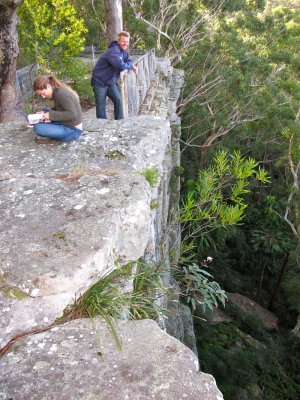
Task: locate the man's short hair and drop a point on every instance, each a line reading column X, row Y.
column 123, row 33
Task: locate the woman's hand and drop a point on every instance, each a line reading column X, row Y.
column 45, row 117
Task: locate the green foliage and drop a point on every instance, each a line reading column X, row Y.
column 77, row 73
column 198, row 288
column 104, row 299
column 148, row 291
column 248, row 69
column 178, row 170
column 115, row 155
column 93, row 14
column 291, row 290
column 50, row 33
column 151, row 175
column 109, row 298
column 270, row 242
column 246, row 371
column 214, row 203
column 154, row 204
column 216, row 198
column 27, row 107
column 187, row 251
column 12, row 292
column 246, row 322
column 270, row 235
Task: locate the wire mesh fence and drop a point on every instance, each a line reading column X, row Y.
column 24, row 78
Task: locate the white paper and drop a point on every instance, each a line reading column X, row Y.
column 34, row 118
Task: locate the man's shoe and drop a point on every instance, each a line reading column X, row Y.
column 45, row 140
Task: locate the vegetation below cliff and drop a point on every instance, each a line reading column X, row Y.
column 249, row 363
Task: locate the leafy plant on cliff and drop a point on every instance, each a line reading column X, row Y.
column 112, row 300
column 213, row 203
column 148, row 291
column 105, row 299
column 216, row 199
column 198, row 288
column 151, row 175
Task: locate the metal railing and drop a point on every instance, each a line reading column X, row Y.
column 134, row 87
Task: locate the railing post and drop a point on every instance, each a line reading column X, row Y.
column 93, row 55
column 18, row 85
column 124, row 92
column 137, row 88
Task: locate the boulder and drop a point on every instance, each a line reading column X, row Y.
column 269, row 320
column 72, row 212
column 80, row 360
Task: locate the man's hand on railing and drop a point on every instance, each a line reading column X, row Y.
column 135, row 69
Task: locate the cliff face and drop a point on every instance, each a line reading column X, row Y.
column 73, row 212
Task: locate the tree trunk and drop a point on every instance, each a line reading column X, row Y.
column 114, row 19
column 262, row 267
column 11, row 108
column 278, row 282
column 296, row 330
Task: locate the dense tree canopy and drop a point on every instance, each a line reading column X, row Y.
column 51, row 32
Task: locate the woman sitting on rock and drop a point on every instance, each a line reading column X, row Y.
column 64, row 121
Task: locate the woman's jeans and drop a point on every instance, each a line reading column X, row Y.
column 56, row 130
column 112, row 91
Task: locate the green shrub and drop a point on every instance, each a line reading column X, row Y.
column 245, row 371
column 108, row 299
column 198, row 288
column 248, row 323
column 151, row 175
column 77, row 73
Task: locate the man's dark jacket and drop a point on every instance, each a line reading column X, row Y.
column 110, row 64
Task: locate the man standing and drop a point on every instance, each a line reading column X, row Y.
column 106, row 73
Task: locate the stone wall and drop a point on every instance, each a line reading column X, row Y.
column 71, row 213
